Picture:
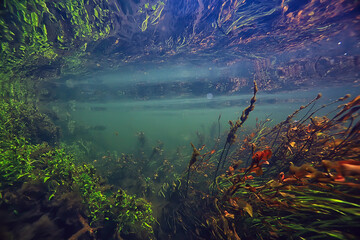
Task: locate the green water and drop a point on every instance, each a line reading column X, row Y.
column 114, row 125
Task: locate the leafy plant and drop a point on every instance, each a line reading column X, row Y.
column 41, row 164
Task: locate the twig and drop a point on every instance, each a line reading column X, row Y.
column 86, row 228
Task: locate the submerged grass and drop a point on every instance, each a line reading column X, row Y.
column 318, row 199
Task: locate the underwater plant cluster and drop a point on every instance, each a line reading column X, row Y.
column 46, row 194
column 263, row 183
column 93, row 93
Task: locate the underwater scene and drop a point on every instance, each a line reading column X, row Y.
column 179, row 119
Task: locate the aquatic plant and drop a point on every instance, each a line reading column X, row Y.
column 152, row 13
column 309, row 144
column 134, row 215
column 24, row 120
column 56, row 174
column 193, row 159
column 232, row 133
column 39, row 38
column 312, row 169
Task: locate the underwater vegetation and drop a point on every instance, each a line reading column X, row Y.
column 43, row 40
column 262, row 183
column 297, row 179
column 46, row 194
column 302, row 181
